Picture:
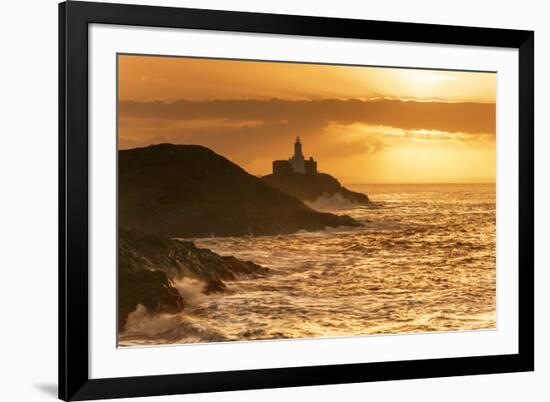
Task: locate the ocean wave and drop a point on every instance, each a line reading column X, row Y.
column 331, row 202
column 193, row 291
column 420, row 263
column 143, row 328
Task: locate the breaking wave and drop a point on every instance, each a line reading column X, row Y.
column 191, row 290
column 143, row 328
column 330, row 202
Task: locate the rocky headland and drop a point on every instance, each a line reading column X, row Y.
column 311, row 187
column 190, row 191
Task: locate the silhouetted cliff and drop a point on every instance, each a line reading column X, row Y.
column 190, row 191
column 149, row 266
column 312, row 187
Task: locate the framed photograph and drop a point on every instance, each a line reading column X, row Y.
column 257, row 200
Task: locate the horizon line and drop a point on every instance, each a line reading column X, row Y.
column 428, row 183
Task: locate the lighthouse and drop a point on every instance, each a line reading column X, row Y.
column 298, row 148
column 296, row 164
column 297, row 161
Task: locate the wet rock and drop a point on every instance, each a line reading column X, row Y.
column 139, row 284
column 180, row 259
column 149, row 265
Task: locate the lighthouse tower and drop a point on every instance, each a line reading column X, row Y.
column 296, row 164
column 297, row 161
column 298, row 148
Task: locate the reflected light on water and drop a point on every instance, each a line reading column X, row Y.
column 423, row 261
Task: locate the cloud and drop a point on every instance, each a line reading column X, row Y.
column 466, row 117
column 253, row 132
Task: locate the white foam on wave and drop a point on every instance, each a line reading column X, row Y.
column 330, row 202
column 191, row 290
column 142, row 327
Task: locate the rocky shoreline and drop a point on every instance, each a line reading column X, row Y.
column 188, row 191
column 149, row 266
column 310, row 188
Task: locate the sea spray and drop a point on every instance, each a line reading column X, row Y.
column 143, row 328
column 331, row 202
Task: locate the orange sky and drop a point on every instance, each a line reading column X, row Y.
column 362, row 124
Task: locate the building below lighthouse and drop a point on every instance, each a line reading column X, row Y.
column 296, row 164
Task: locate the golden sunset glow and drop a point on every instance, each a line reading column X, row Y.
column 362, row 124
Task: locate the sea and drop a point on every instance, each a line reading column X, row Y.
column 424, row 260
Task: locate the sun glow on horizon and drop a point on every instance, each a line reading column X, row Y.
column 362, row 124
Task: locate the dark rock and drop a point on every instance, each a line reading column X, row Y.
column 180, row 259
column 138, row 284
column 149, row 265
column 312, row 187
column 214, row 286
column 190, row 191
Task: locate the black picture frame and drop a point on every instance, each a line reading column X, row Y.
column 74, row 18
